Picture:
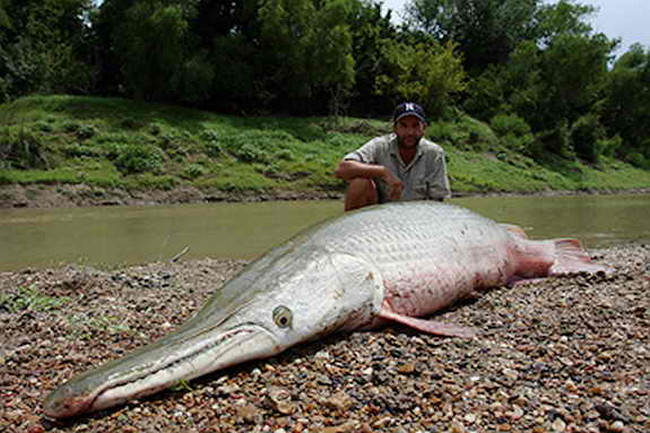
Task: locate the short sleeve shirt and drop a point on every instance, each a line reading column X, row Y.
column 424, row 178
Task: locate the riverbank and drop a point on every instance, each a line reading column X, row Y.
column 556, row 355
column 67, row 196
column 63, row 151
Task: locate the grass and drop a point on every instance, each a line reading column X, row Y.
column 30, row 298
column 117, row 143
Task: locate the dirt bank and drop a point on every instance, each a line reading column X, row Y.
column 49, row 196
column 565, row 354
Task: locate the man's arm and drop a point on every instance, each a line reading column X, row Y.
column 439, row 180
column 349, row 169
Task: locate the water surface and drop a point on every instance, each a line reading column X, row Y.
column 112, row 236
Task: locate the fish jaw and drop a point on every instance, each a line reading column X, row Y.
column 157, row 367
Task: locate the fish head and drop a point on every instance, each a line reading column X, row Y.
column 273, row 305
column 304, row 297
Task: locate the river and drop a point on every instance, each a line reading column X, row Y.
column 114, row 236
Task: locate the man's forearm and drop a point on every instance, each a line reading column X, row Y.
column 349, row 169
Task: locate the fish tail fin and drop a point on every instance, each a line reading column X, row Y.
column 563, row 256
column 571, row 258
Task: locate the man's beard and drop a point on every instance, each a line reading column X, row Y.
column 400, row 141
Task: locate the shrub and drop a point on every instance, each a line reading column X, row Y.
column 85, row 131
column 504, row 124
column 586, row 136
column 638, row 160
column 556, row 140
column 193, row 171
column 22, row 149
column 609, row 146
column 138, row 158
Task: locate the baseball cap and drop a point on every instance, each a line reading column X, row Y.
column 409, row 109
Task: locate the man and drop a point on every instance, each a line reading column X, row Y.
column 398, row 166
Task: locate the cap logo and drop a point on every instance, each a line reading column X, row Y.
column 409, row 107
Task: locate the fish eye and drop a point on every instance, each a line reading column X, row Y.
column 282, row 316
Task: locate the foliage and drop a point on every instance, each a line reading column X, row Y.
column 532, row 61
column 587, row 135
column 165, row 146
column 426, row 73
column 22, row 148
column 626, row 107
column 30, row 298
column 137, row 158
column 486, row 31
column 151, row 41
column 43, row 47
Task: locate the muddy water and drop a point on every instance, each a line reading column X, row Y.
column 116, row 236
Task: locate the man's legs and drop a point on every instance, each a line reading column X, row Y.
column 361, row 192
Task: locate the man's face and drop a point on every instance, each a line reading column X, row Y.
column 409, row 130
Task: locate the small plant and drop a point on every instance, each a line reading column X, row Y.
column 71, row 127
column 85, row 132
column 22, row 149
column 193, row 171
column 138, row 158
column 30, row 299
column 504, row 124
column 155, row 129
column 44, row 127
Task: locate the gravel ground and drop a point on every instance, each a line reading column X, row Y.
column 558, row 355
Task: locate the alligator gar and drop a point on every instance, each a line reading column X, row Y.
column 390, row 263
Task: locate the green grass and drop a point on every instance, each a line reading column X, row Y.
column 117, row 143
column 30, row 298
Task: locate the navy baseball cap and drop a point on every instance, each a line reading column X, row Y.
column 409, row 109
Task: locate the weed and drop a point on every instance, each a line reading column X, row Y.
column 138, row 158
column 30, row 298
column 84, row 326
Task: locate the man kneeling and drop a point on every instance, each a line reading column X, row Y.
column 399, row 166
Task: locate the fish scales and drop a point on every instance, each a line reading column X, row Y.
column 428, row 255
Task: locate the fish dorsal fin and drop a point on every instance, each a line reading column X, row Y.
column 428, row 326
column 515, row 230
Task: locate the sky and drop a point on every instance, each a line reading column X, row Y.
column 623, row 19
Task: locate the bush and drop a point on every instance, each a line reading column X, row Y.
column 138, row 158
column 193, row 171
column 586, row 136
column 609, row 146
column 556, row 140
column 504, row 124
column 22, row 149
column 638, row 160
column 85, row 131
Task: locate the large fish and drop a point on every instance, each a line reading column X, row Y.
column 394, row 262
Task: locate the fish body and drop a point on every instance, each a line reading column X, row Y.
column 393, row 262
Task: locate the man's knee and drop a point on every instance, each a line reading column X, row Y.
column 361, row 192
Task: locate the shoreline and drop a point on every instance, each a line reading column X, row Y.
column 80, row 195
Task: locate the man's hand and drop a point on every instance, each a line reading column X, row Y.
column 396, row 186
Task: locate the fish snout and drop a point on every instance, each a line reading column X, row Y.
column 65, row 402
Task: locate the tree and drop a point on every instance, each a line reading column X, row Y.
column 44, row 47
column 370, row 32
column 305, row 49
column 626, row 107
column 428, row 73
column 151, row 41
column 486, row 31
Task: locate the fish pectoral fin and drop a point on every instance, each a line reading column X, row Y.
column 429, row 326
